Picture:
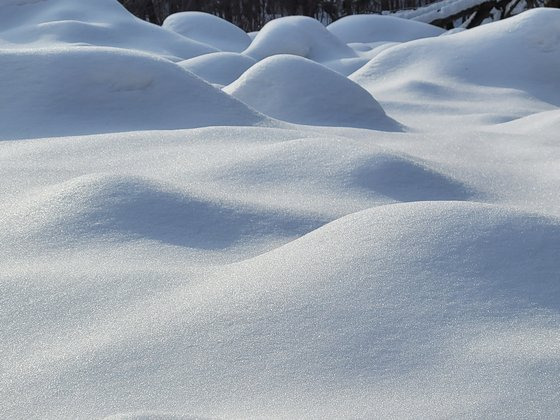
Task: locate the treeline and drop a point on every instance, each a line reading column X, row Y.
column 251, row 15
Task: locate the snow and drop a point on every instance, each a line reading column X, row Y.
column 105, row 23
column 85, row 90
column 297, row 245
column 208, row 29
column 298, row 35
column 297, row 90
column 439, row 10
column 220, row 68
column 511, row 64
column 375, row 28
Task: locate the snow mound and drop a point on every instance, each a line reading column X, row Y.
column 115, row 208
column 404, row 180
column 298, row 35
column 101, row 23
column 400, row 294
column 376, row 28
column 520, row 53
column 89, row 90
column 208, row 29
column 297, row 90
column 219, row 68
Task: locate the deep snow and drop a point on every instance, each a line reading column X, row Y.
column 171, row 250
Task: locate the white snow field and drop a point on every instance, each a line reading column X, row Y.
column 298, row 244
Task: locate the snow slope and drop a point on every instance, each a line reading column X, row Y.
column 515, row 58
column 376, row 28
column 298, row 35
column 48, row 23
column 208, row 29
column 83, row 90
column 169, row 252
column 297, row 90
column 219, row 68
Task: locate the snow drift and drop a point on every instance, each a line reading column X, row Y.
column 104, row 23
column 298, row 35
column 250, row 268
column 377, row 28
column 521, row 53
column 298, row 90
column 219, row 68
column 83, row 90
column 399, row 294
column 208, row 29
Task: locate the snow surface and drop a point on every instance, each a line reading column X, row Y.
column 48, row 23
column 298, row 35
column 208, row 29
column 220, row 68
column 85, row 90
column 298, row 90
column 375, row 28
column 169, row 252
column 508, row 69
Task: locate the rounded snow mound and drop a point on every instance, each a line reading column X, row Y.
column 405, row 180
column 219, row 68
column 298, row 35
column 100, row 23
column 376, row 28
column 208, row 29
column 87, row 90
column 403, row 293
column 124, row 208
column 522, row 53
column 297, row 90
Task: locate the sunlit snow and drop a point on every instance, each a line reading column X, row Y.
column 353, row 221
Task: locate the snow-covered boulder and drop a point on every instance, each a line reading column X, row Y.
column 298, row 90
column 219, row 68
column 55, row 92
column 104, row 23
column 208, row 29
column 375, row 28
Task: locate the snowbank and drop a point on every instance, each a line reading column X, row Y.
column 99, row 208
column 298, row 35
column 520, row 53
column 100, row 23
column 83, row 90
column 375, row 28
column 219, row 68
column 298, row 90
column 208, row 29
column 415, row 297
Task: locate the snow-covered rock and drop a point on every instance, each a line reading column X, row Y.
column 208, row 29
column 298, row 90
